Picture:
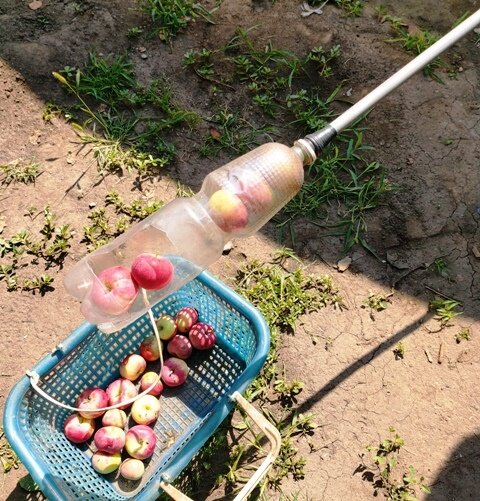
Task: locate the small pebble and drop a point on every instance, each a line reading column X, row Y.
column 35, row 5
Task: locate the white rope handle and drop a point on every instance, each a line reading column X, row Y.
column 35, row 378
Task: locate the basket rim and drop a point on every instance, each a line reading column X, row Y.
column 39, row 468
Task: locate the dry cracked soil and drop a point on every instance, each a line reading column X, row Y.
column 427, row 135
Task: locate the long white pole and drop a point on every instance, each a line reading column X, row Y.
column 347, row 118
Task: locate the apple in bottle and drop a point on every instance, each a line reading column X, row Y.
column 113, row 291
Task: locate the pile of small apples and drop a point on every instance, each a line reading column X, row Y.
column 183, row 333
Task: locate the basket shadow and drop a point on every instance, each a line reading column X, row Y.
column 19, row 494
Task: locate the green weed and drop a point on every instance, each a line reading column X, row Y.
column 123, row 136
column 19, row 171
column 415, row 42
column 399, row 351
column 382, row 471
column 272, row 76
column 22, row 250
column 351, row 7
column 441, row 267
column 8, row 457
column 172, row 16
column 287, row 390
column 232, row 134
column 51, row 111
column 102, row 228
column 183, row 191
column 463, row 335
column 445, row 309
column 377, row 302
column 134, row 32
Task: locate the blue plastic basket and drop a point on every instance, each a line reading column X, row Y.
column 189, row 414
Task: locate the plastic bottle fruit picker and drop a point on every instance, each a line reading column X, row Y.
column 172, row 246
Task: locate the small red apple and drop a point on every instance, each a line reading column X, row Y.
column 120, row 391
column 132, row 469
column 228, row 211
column 174, row 372
column 90, row 400
column 147, row 380
column 115, row 417
column 140, row 441
column 78, row 429
column 149, row 348
column 132, row 366
column 254, row 191
column 152, row 272
column 202, row 336
column 186, row 318
column 180, row 346
column 113, row 291
column 109, row 439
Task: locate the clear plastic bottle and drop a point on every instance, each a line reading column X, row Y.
column 234, row 201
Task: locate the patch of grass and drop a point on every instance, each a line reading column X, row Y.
column 23, row 249
column 19, row 171
column 113, row 105
column 276, row 80
column 463, row 335
column 441, row 267
column 282, row 297
column 343, row 178
column 351, row 7
column 183, row 191
column 110, row 81
column 172, row 16
column 414, row 41
column 288, row 462
column 383, row 473
column 103, row 229
column 377, row 302
column 8, row 458
column 445, row 309
column 233, row 134
column 399, row 351
column 268, row 72
column 134, row 32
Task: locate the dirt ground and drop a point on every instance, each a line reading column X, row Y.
column 427, row 135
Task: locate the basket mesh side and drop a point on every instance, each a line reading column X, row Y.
column 95, row 362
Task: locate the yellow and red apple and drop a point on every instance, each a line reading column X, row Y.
column 228, row 211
